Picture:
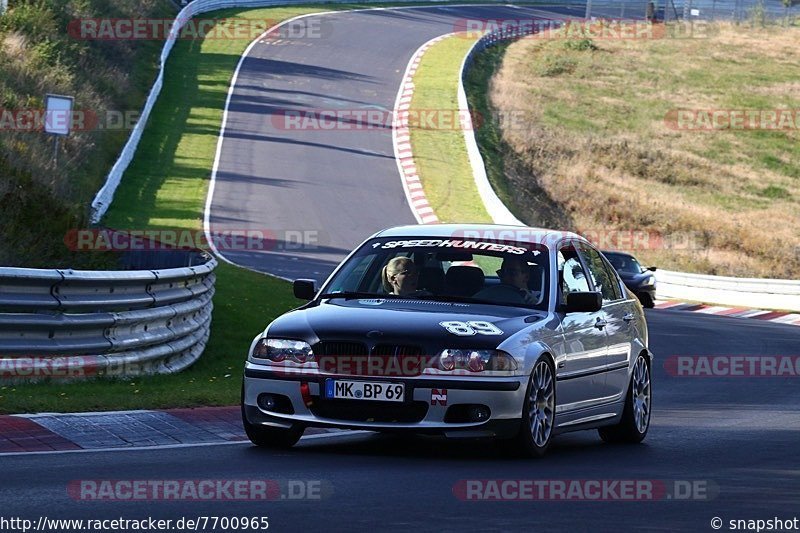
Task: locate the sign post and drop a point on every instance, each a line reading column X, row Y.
column 58, row 118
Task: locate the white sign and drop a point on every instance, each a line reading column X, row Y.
column 695, row 12
column 58, row 114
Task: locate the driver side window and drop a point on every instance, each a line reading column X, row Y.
column 571, row 275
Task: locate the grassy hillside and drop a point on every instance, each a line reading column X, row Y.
column 41, row 202
column 601, row 151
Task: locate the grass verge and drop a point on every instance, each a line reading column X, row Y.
column 522, row 197
column 440, row 153
column 437, row 140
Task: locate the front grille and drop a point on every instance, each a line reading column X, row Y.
column 396, row 350
column 336, row 348
column 390, row 360
column 367, row 411
column 353, row 359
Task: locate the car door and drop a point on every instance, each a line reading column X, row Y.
column 619, row 318
column 579, row 370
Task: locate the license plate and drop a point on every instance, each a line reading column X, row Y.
column 364, row 390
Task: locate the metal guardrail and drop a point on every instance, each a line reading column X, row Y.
column 745, row 292
column 103, row 323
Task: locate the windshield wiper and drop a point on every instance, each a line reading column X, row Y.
column 470, row 300
column 452, row 298
column 349, row 295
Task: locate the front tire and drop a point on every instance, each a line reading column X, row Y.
column 538, row 411
column 646, row 300
column 635, row 421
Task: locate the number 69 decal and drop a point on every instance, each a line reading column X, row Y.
column 473, row 327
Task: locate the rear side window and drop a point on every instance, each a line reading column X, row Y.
column 617, row 285
column 604, row 281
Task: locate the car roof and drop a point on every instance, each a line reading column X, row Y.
column 614, row 252
column 479, row 231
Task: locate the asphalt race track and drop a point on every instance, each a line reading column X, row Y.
column 734, row 439
column 737, row 437
column 342, row 185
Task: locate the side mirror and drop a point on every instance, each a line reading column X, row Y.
column 651, row 269
column 304, row 289
column 583, row 302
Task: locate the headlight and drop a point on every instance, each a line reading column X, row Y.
column 474, row 360
column 281, row 350
column 650, row 281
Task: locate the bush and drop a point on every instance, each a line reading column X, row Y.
column 555, row 65
column 580, row 45
column 758, row 15
column 33, row 19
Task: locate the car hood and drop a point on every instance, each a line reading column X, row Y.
column 418, row 322
column 629, row 277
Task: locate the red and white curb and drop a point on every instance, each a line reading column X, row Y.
column 780, row 317
column 401, row 138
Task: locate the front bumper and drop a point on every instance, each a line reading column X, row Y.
column 419, row 413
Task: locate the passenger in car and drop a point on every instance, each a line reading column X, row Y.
column 400, row 276
column 514, row 274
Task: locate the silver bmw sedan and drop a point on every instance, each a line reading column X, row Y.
column 461, row 330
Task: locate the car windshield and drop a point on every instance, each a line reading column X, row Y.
column 448, row 269
column 624, row 263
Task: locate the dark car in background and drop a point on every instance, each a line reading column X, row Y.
column 641, row 281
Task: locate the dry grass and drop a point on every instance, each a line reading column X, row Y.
column 597, row 142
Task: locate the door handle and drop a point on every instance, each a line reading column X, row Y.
column 628, row 317
column 601, row 323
